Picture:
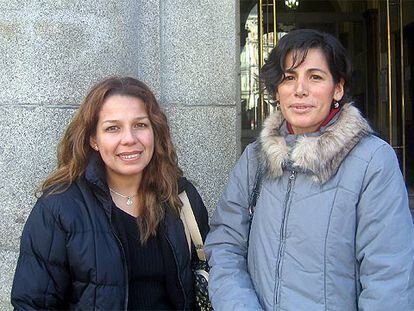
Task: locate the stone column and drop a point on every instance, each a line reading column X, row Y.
column 200, row 88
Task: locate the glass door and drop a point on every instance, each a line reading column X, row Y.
column 406, row 82
column 257, row 37
column 391, row 24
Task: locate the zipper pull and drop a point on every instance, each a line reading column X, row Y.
column 292, row 175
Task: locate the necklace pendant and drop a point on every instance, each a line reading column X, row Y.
column 129, row 201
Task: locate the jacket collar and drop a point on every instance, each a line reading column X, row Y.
column 318, row 155
column 95, row 177
column 95, row 172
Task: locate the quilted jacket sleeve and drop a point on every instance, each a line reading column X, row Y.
column 42, row 279
column 385, row 237
column 230, row 285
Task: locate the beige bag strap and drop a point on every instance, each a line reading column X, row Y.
column 192, row 232
column 187, row 233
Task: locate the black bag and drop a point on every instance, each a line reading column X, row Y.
column 201, row 271
column 200, row 268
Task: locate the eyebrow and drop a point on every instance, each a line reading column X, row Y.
column 135, row 119
column 308, row 70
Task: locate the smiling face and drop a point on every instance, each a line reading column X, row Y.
column 307, row 92
column 124, row 138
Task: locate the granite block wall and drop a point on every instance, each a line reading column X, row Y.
column 52, row 51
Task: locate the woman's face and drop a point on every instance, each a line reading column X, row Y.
column 124, row 138
column 307, row 92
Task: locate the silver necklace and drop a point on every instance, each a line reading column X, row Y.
column 129, row 198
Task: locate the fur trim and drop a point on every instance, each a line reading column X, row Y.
column 322, row 155
column 276, row 150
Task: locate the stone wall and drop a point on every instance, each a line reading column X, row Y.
column 52, row 51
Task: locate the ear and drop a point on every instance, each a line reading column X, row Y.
column 339, row 90
column 93, row 144
column 277, row 95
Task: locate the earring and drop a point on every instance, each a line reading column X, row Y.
column 96, row 147
column 277, row 104
column 335, row 105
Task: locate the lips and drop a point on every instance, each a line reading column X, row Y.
column 128, row 156
column 301, row 108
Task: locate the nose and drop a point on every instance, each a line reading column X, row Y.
column 128, row 137
column 301, row 87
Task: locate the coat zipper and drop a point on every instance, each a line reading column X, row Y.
column 178, row 270
column 121, row 247
column 286, row 208
column 125, row 266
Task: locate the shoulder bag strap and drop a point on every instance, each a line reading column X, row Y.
column 254, row 195
column 191, row 227
column 186, row 231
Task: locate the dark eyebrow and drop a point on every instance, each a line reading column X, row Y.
column 317, row 69
column 292, row 71
column 135, row 119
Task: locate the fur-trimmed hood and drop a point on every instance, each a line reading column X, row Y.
column 319, row 155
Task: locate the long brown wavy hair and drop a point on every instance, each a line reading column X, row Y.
column 159, row 180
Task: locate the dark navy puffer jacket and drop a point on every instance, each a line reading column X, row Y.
column 71, row 258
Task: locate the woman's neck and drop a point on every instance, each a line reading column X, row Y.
column 330, row 116
column 124, row 193
column 127, row 186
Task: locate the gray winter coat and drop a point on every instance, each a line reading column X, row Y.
column 331, row 229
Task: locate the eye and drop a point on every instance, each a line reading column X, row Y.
column 316, row 77
column 140, row 125
column 288, row 77
column 112, row 128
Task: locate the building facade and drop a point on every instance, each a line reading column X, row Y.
column 201, row 58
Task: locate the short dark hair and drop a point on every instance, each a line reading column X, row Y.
column 299, row 42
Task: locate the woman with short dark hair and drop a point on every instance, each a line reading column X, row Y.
column 315, row 215
column 106, row 233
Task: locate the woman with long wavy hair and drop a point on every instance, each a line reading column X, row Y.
column 106, row 232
